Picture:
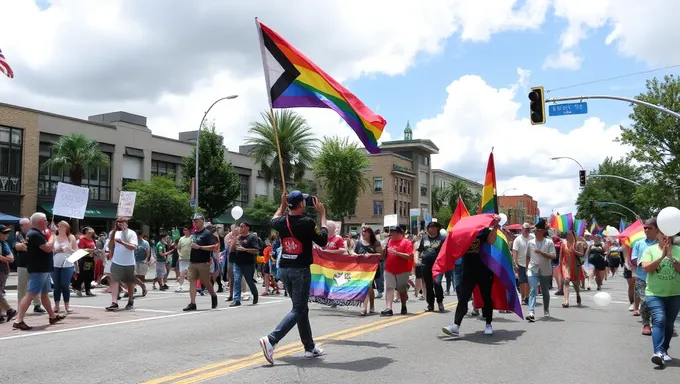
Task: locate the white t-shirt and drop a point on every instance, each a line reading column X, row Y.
column 538, row 263
column 122, row 255
column 521, row 244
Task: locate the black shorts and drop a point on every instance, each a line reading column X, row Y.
column 419, row 272
column 627, row 273
column 614, row 262
column 265, row 268
column 522, row 275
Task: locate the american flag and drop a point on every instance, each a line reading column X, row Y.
column 4, row 66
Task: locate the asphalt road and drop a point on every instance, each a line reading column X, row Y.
column 158, row 343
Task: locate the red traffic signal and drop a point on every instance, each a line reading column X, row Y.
column 537, row 106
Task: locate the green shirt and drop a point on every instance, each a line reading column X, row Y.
column 665, row 281
column 160, row 248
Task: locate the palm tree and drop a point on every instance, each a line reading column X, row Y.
column 75, row 154
column 439, row 198
column 295, row 140
column 470, row 198
column 341, row 170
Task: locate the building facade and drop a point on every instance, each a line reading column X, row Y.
column 443, row 179
column 519, row 209
column 400, row 181
column 26, row 137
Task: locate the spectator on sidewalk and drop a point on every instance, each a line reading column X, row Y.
column 21, row 260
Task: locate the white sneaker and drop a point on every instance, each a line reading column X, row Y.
column 267, row 349
column 488, row 330
column 314, row 353
column 667, row 358
column 657, row 359
column 245, row 298
column 451, row 330
column 631, row 308
column 179, row 289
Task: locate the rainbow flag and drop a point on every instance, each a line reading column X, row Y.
column 595, row 227
column 460, row 212
column 634, row 233
column 622, row 226
column 580, row 227
column 564, row 223
column 341, row 279
column 294, row 81
column 489, row 203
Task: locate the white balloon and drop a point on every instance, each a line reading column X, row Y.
column 504, row 219
column 668, row 221
column 602, row 299
column 236, row 212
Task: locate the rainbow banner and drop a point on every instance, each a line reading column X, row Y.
column 294, row 81
column 499, row 260
column 580, row 227
column 341, row 279
column 634, row 233
column 564, row 222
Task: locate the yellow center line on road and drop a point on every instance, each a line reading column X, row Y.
column 229, row 366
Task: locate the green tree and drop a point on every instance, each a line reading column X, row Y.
column 439, row 198
column 653, row 137
column 160, row 204
column 341, row 171
column 443, row 215
column 75, row 155
column 295, row 140
column 262, row 209
column 607, row 189
column 218, row 184
column 470, row 198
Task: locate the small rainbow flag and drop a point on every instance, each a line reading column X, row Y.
column 489, row 203
column 565, row 222
column 634, row 233
column 341, row 279
column 595, row 227
column 294, row 81
column 622, row 226
column 580, row 227
column 460, row 212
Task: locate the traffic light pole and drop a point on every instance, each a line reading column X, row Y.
column 619, row 98
column 617, row 177
column 605, row 203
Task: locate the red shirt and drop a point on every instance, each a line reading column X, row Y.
column 335, row 242
column 396, row 264
column 84, row 243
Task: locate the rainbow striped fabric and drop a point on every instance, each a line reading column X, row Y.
column 595, row 227
column 634, row 233
column 622, row 226
column 564, row 222
column 341, row 279
column 489, row 203
column 294, row 81
column 580, row 227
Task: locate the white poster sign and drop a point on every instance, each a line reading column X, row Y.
column 71, row 201
column 77, row 255
column 126, row 203
column 414, row 212
column 391, row 220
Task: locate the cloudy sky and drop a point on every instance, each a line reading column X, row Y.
column 458, row 70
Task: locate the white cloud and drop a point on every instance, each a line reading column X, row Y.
column 477, row 117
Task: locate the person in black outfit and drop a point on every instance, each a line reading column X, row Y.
column 203, row 244
column 428, row 250
column 247, row 247
column 298, row 233
column 475, row 274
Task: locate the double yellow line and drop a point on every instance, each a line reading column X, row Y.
column 229, row 366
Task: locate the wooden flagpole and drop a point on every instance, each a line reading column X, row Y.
column 275, row 126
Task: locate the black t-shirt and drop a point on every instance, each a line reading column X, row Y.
column 20, row 257
column 243, row 257
column 297, row 246
column 202, row 238
column 39, row 261
column 429, row 248
column 472, row 257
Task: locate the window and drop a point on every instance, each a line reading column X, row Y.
column 10, row 159
column 244, row 194
column 96, row 179
column 423, row 190
column 425, row 160
column 377, row 208
column 377, row 184
column 162, row 168
column 395, row 207
column 396, row 184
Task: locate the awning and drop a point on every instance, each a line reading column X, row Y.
column 91, row 212
column 5, row 218
column 227, row 219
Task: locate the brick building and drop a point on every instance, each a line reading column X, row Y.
column 519, row 209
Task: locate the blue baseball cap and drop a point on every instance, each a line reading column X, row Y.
column 296, row 197
column 4, row 229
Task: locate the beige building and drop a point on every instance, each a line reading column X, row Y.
column 26, row 136
column 400, row 183
column 443, row 179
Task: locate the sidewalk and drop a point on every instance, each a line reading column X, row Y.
column 13, row 278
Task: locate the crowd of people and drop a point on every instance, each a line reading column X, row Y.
column 207, row 255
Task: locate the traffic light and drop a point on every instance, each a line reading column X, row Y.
column 582, row 178
column 537, row 106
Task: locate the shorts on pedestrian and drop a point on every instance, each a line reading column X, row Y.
column 183, row 265
column 265, row 268
column 640, row 286
column 627, row 273
column 141, row 269
column 124, row 274
column 199, row 271
column 419, row 272
column 398, row 282
column 39, row 283
column 161, row 270
column 522, row 275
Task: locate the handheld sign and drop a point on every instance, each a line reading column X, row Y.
column 71, row 201
column 390, row 220
column 126, row 203
column 77, row 255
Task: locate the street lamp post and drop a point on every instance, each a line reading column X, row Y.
column 198, row 141
column 508, row 190
column 569, row 158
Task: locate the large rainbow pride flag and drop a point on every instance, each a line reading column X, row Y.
column 294, row 81
column 341, row 279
